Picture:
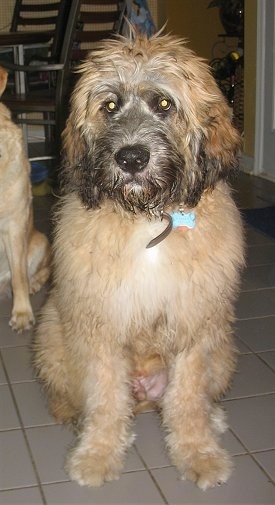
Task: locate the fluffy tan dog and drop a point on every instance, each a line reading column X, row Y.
column 148, row 248
column 24, row 252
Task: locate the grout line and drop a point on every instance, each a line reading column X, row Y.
column 240, row 441
column 261, row 245
column 248, row 397
column 269, row 476
column 251, row 453
column 257, row 354
column 19, row 488
column 254, row 317
column 251, row 348
column 152, row 477
column 36, row 473
column 261, row 451
column 266, row 288
column 265, row 362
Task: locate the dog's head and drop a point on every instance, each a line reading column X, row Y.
column 148, row 126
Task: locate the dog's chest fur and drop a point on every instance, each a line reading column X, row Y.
column 102, row 261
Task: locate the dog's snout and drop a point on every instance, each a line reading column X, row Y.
column 132, row 158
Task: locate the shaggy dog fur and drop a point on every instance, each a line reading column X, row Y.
column 149, row 134
column 24, row 252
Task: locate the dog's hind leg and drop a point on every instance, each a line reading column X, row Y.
column 188, row 415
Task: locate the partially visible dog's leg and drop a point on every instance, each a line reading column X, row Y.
column 107, row 418
column 17, row 250
column 192, row 424
column 38, row 261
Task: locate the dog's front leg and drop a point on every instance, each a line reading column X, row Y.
column 189, row 416
column 17, row 250
column 106, row 428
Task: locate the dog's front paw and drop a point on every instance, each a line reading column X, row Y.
column 21, row 321
column 208, row 469
column 90, row 469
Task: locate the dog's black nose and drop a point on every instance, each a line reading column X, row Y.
column 132, row 158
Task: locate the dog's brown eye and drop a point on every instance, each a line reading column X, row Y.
column 164, row 104
column 111, row 106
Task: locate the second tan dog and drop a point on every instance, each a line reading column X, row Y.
column 24, row 251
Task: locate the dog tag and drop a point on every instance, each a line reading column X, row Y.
column 183, row 220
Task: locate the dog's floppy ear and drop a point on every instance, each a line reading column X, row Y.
column 74, row 152
column 221, row 144
column 3, row 79
column 73, row 144
column 213, row 142
column 77, row 164
column 214, row 147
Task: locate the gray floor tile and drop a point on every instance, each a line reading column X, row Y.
column 27, row 496
column 269, row 358
column 247, row 485
column 133, row 462
column 131, row 489
column 255, row 304
column 232, row 444
column 8, row 416
column 32, row 404
column 258, row 334
column 16, row 469
column 254, row 237
column 3, row 379
column 253, row 421
column 258, row 277
column 150, row 440
column 5, row 307
column 49, row 447
column 252, row 377
column 267, row 461
column 9, row 338
column 18, row 364
column 151, row 446
column 242, row 348
column 262, row 255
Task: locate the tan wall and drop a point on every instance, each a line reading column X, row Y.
column 6, row 10
column 192, row 19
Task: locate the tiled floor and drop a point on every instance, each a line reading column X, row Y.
column 32, row 446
